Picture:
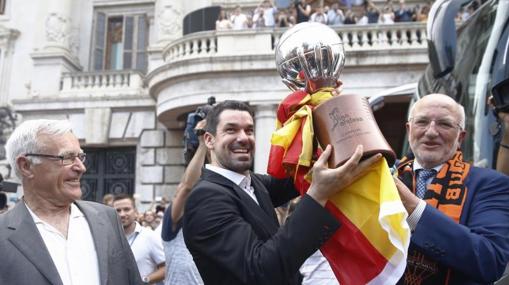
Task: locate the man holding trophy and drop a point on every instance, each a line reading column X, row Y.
column 230, row 226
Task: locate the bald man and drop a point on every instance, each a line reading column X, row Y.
column 458, row 213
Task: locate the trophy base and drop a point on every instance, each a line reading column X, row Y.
column 346, row 121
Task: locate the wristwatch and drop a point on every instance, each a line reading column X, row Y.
column 145, row 280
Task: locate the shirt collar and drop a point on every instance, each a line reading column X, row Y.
column 417, row 166
column 235, row 177
column 137, row 228
column 75, row 213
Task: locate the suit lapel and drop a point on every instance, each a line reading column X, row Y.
column 264, row 199
column 99, row 234
column 27, row 239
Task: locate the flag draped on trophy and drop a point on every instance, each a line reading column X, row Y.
column 371, row 245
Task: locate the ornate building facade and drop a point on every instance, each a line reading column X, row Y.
column 126, row 76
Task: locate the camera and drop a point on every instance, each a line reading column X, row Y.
column 191, row 141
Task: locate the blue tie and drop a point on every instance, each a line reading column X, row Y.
column 422, row 176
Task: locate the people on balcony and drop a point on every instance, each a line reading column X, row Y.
column 372, row 12
column 259, row 19
column 319, row 16
column 282, row 20
column 350, row 17
column 222, row 22
column 303, row 11
column 269, row 12
column 387, row 16
column 335, row 16
column 422, row 13
column 238, row 19
column 403, row 14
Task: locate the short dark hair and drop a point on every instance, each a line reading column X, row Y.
column 213, row 115
column 122, row 196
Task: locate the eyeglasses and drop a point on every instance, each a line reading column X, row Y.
column 66, row 159
column 440, row 124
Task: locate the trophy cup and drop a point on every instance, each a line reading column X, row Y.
column 311, row 56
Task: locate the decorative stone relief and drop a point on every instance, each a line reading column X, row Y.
column 57, row 29
column 170, row 22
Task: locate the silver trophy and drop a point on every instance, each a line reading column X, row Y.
column 310, row 55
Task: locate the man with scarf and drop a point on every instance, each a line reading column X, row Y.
column 458, row 213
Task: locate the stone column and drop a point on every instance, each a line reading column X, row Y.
column 53, row 57
column 265, row 124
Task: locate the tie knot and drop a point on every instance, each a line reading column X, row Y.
column 425, row 174
column 422, row 179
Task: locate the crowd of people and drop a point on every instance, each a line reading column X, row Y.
column 340, row 13
column 343, row 12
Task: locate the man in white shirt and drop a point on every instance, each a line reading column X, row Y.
column 238, row 19
column 269, row 12
column 50, row 237
column 146, row 245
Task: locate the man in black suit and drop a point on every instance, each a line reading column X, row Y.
column 230, row 225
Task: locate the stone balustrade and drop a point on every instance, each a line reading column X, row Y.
column 263, row 41
column 103, row 83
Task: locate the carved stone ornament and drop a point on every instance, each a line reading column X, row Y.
column 170, row 23
column 57, row 29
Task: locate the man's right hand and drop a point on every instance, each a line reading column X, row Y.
column 329, row 181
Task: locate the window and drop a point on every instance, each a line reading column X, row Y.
column 120, row 42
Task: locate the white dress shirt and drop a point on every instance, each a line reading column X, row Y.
column 75, row 257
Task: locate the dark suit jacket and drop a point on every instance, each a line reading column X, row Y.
column 478, row 247
column 24, row 258
column 235, row 241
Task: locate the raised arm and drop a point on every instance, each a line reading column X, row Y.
column 190, row 177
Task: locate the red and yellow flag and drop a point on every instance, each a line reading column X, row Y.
column 372, row 243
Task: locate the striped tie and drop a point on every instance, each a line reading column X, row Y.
column 422, row 176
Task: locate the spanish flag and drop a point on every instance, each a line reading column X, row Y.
column 372, row 243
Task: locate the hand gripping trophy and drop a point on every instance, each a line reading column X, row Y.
column 309, row 58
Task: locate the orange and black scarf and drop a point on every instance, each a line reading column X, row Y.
column 446, row 192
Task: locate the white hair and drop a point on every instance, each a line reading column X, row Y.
column 24, row 139
column 460, row 111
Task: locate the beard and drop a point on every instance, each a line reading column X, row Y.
column 236, row 165
column 239, row 165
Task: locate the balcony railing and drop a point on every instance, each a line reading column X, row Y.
column 102, row 83
column 263, row 41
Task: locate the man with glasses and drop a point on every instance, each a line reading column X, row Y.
column 458, row 213
column 50, row 237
